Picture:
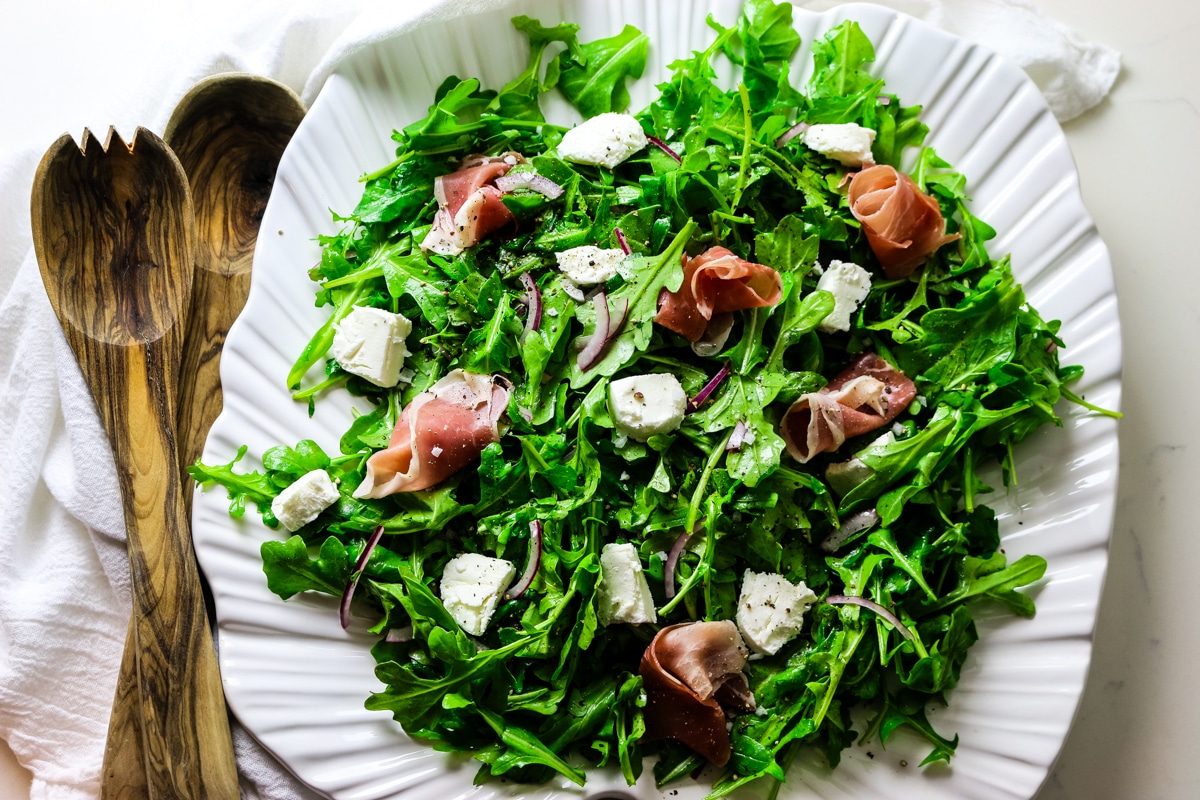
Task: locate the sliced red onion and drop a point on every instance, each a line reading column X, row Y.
column 532, row 564
column 404, row 634
column 661, row 145
column 850, row 526
column 885, row 100
column 672, row 563
column 621, row 241
column 606, row 327
column 791, row 133
column 738, row 437
column 716, row 334
column 344, row 609
column 533, row 302
column 573, row 290
column 529, row 180
column 694, row 404
column 852, row 600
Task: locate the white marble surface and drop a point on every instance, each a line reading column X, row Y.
column 1139, row 166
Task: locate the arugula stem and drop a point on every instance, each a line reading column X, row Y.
column 379, row 173
column 318, row 388
column 355, row 277
column 705, row 566
column 322, row 340
column 746, row 139
column 1077, row 400
column 717, row 453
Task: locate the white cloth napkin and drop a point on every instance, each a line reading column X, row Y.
column 64, row 580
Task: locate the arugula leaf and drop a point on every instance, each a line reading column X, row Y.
column 519, row 97
column 253, row 486
column 640, row 293
column 592, row 76
column 290, row 571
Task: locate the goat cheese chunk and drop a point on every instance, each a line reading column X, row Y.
column 771, row 610
column 624, row 594
column 369, row 343
column 849, row 284
column 472, row 586
column 589, row 265
column 847, row 143
column 647, row 405
column 605, row 140
column 301, row 503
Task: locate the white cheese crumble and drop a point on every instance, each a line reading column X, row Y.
column 605, row 140
column 369, row 343
column 588, row 265
column 849, row 284
column 770, row 610
column 623, row 594
column 471, row 587
column 646, row 405
column 301, row 503
column 847, row 143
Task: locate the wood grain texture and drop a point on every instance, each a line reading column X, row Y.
column 115, row 240
column 229, row 133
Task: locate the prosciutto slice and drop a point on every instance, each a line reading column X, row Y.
column 441, row 431
column 689, row 671
column 865, row 396
column 469, row 204
column 903, row 224
column 716, row 282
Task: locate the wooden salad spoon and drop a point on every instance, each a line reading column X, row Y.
column 229, row 132
column 115, row 239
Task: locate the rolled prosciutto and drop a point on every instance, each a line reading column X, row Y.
column 441, row 431
column 689, row 672
column 469, row 204
column 903, row 224
column 716, row 282
column 865, row 396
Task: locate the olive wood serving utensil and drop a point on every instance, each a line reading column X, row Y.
column 229, row 132
column 115, row 239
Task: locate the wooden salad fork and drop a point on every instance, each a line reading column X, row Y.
column 115, row 239
column 229, row 132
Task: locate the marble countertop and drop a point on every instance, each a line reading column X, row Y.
column 1132, row 737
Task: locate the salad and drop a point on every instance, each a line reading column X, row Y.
column 671, row 432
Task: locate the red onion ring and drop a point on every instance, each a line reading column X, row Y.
column 672, row 563
column 852, row 600
column 532, row 564
column 606, row 328
column 533, row 302
column 850, row 526
column 694, row 404
column 791, row 133
column 532, row 181
column 661, row 145
column 620, row 241
column 716, row 334
column 344, row 608
column 404, row 634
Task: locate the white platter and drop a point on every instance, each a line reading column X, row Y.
column 298, row 682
